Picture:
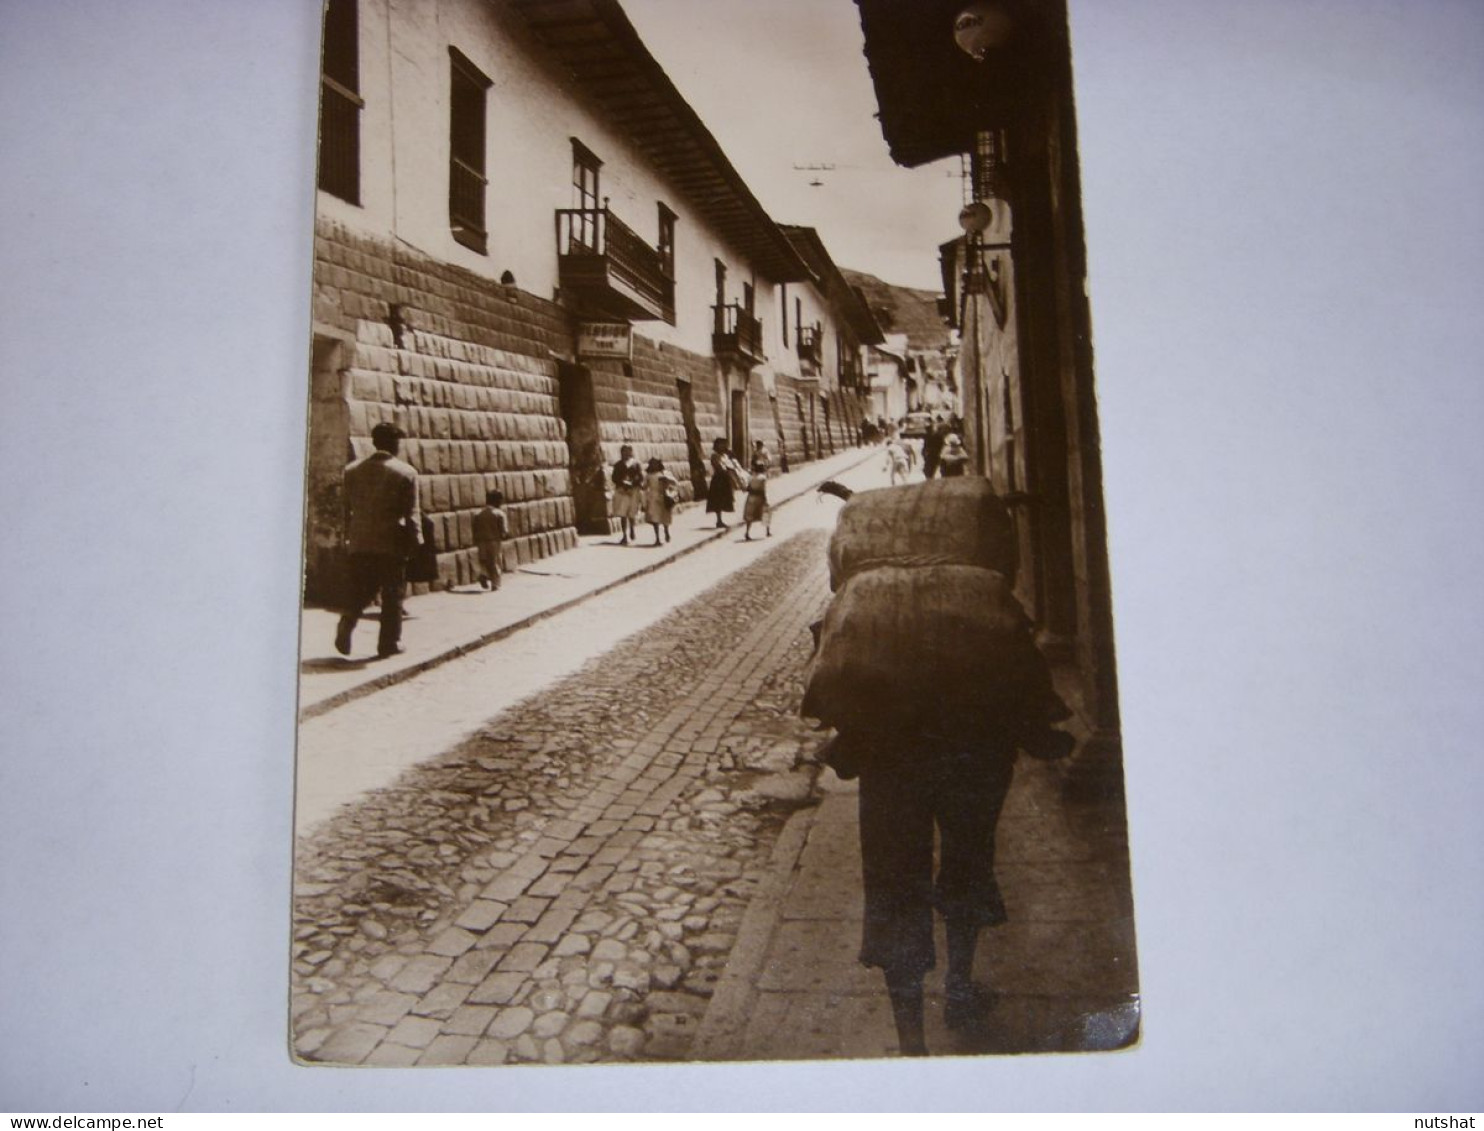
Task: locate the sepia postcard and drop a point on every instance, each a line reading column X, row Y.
column 707, row 647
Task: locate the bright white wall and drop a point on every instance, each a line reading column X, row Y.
column 532, row 112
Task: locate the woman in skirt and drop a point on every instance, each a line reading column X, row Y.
column 628, row 491
column 720, row 495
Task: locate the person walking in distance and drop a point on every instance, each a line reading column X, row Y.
column 721, row 494
column 490, row 529
column 756, row 508
column 382, row 528
column 932, row 446
column 628, row 491
column 661, row 494
column 760, row 455
column 897, row 461
column 954, row 461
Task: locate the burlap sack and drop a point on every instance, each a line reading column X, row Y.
column 934, row 644
column 937, row 522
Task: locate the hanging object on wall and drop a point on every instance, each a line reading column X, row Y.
column 980, row 27
column 975, row 217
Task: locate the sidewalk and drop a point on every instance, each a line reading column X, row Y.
column 447, row 624
column 1062, row 969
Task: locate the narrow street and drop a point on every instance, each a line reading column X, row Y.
column 543, row 850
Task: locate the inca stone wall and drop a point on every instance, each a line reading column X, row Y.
column 642, row 407
column 760, row 424
column 467, row 369
column 794, row 443
column 463, row 367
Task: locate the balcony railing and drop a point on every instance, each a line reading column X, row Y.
column 610, row 268
column 737, row 333
column 811, row 347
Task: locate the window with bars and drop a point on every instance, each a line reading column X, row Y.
column 340, row 103
column 466, row 152
column 987, row 165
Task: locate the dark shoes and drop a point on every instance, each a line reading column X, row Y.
column 342, row 639
column 394, row 650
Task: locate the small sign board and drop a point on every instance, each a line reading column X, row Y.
column 605, row 339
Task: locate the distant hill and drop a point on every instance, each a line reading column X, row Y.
column 902, row 310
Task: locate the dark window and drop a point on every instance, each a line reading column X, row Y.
column 340, row 103
column 783, row 304
column 987, row 164
column 721, row 283
column 585, row 168
column 747, row 298
column 667, row 242
column 799, row 315
column 466, row 169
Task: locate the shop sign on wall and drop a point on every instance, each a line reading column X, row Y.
column 605, row 339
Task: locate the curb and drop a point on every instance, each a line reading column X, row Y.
column 360, row 690
column 725, row 1021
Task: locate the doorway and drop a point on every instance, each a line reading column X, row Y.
column 739, row 423
column 586, row 471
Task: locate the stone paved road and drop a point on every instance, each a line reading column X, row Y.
column 565, row 886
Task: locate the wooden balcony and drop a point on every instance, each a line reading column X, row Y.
column 610, row 270
column 737, row 336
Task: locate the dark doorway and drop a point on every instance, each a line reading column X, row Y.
column 782, row 439
column 739, row 423
column 584, row 452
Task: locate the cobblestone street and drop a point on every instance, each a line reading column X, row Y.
column 566, row 885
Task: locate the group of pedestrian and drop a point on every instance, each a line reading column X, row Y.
column 943, row 453
column 728, row 477
column 943, row 449
column 650, row 491
column 384, row 531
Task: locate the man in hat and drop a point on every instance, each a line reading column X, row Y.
column 954, row 461
column 932, row 445
column 381, row 528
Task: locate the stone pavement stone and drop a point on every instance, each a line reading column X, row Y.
column 602, row 935
column 625, row 853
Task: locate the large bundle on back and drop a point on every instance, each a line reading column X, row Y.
column 936, row 644
column 936, row 522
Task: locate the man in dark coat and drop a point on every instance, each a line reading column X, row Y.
column 381, row 529
column 932, row 446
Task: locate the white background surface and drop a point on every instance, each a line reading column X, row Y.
column 1287, row 260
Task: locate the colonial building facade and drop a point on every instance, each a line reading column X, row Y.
column 529, row 250
column 990, row 81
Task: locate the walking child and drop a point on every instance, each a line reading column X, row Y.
column 897, row 461
column 490, row 528
column 661, row 493
column 756, row 508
